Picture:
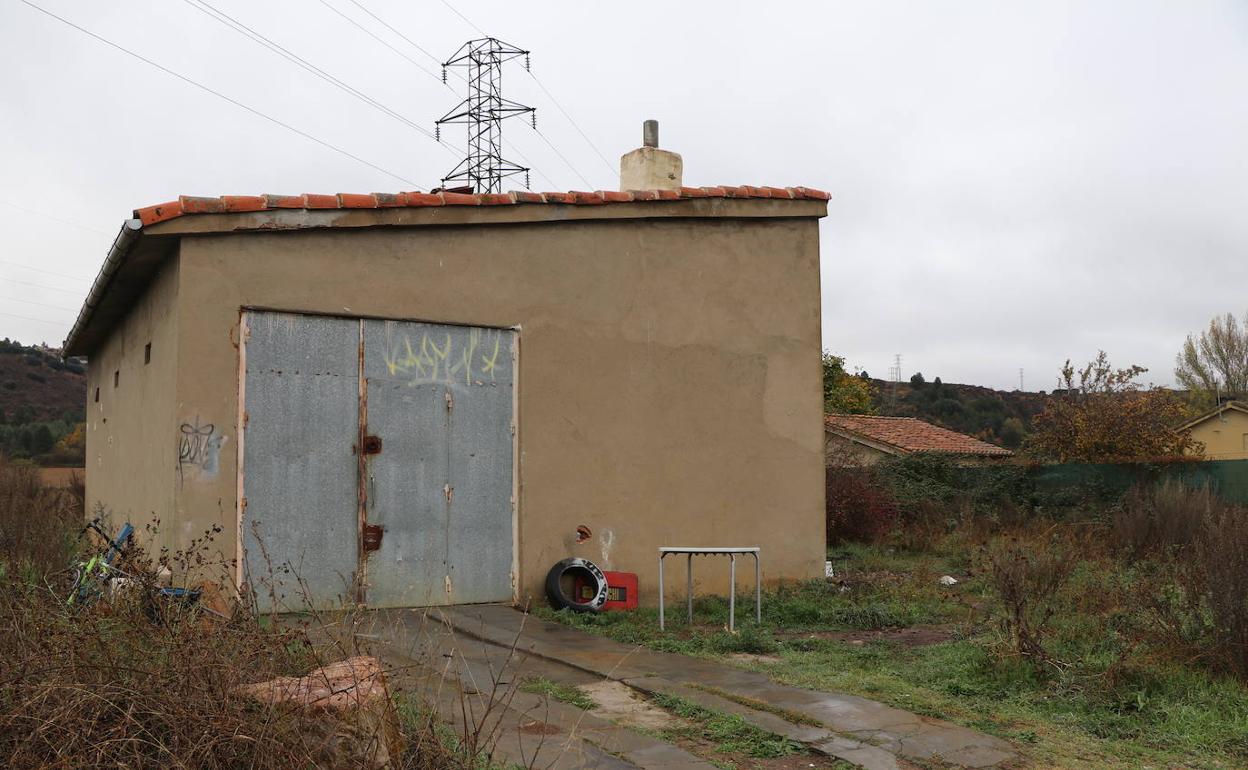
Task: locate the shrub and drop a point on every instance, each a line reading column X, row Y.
column 859, row 506
column 1027, row 579
column 928, row 477
column 1161, row 518
column 1221, row 554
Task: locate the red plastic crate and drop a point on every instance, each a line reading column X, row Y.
column 621, row 591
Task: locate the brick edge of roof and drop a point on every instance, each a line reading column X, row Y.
column 227, row 204
column 988, row 450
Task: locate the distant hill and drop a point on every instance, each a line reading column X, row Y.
column 998, row 416
column 34, row 380
column 42, row 404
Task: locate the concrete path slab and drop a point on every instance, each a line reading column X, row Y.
column 477, row 683
column 860, row 728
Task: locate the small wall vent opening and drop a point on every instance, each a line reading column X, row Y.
column 97, row 394
column 116, row 378
column 147, row 353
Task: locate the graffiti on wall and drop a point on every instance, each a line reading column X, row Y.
column 443, row 359
column 199, row 446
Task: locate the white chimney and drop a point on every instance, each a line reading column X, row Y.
column 648, row 167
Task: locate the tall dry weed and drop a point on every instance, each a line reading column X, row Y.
column 1027, row 577
column 37, row 523
column 135, row 682
column 1164, row 518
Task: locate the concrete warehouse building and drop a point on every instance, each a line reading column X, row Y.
column 416, row 399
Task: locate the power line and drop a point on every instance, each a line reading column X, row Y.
column 49, row 272
column 232, row 23
column 410, row 42
column 36, row 320
column 376, row 37
column 219, row 95
column 54, row 219
column 465, row 18
column 77, row 292
column 566, row 162
column 404, row 56
column 417, row 46
column 584, row 136
column 527, row 162
column 41, row 304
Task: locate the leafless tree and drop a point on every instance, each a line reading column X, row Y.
column 1216, row 360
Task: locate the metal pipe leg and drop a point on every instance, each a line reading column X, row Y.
column 661, row 623
column 689, row 587
column 732, row 592
column 758, row 592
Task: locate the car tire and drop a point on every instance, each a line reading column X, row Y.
column 560, row 599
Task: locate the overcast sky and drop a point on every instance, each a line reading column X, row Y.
column 1013, row 183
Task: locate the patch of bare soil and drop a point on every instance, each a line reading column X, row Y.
column 621, row 704
column 915, row 636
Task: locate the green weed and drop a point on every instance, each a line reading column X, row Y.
column 560, row 692
column 1110, row 703
column 730, row 733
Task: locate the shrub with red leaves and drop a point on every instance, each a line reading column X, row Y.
column 859, row 505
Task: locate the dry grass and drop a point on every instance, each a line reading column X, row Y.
column 37, row 523
column 131, row 682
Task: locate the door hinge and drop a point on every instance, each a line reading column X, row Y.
column 449, row 491
column 450, row 401
column 449, row 589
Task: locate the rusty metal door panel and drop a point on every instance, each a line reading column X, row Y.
column 300, row 470
column 480, row 535
column 439, row 398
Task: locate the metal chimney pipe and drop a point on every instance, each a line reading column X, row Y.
column 650, row 134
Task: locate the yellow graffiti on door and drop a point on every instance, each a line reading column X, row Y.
column 434, row 359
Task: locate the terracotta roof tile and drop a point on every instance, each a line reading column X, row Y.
column 913, row 435
column 186, row 204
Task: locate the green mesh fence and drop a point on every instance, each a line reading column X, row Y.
column 1064, row 485
column 1056, row 489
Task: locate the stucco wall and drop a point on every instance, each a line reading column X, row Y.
column 1224, row 436
column 840, row 451
column 132, row 439
column 669, row 389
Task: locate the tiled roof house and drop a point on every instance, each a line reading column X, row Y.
column 868, row 438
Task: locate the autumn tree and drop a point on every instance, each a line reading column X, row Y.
column 844, row 393
column 1215, row 361
column 1103, row 414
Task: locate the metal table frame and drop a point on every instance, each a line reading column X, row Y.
column 732, row 554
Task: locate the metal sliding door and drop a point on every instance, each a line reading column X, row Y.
column 388, row 442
